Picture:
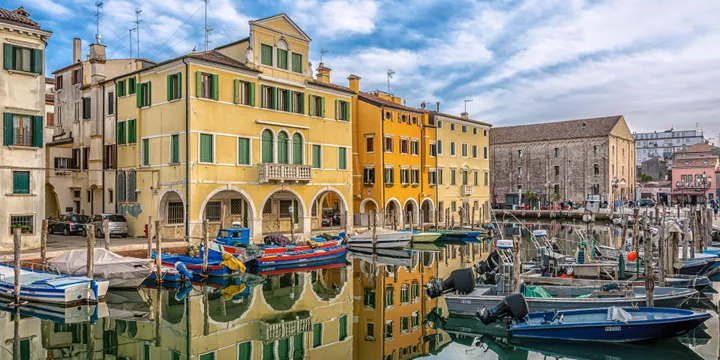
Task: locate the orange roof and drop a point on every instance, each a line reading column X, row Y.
column 699, row 148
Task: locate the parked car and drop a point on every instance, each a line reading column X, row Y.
column 118, row 225
column 646, row 203
column 68, row 224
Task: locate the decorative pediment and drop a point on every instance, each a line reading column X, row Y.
column 282, row 24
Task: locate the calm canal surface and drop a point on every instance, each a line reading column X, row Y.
column 371, row 307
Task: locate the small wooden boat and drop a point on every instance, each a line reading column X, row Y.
column 423, row 236
column 462, row 235
column 385, row 239
column 296, row 258
column 59, row 314
column 37, row 286
column 318, row 265
column 235, row 241
column 195, row 265
column 120, row 271
column 680, row 281
column 608, row 324
column 396, row 257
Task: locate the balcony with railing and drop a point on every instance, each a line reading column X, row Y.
column 285, row 327
column 285, row 172
column 465, row 190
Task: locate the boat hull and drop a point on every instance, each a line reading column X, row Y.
column 384, row 241
column 310, row 257
column 217, row 248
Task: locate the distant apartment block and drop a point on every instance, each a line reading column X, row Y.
column 664, row 144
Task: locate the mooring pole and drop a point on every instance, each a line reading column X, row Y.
column 43, row 244
column 636, row 240
column 90, row 250
column 106, row 232
column 517, row 265
column 374, row 229
column 17, row 265
column 649, row 280
column 158, row 250
column 205, row 245
column 149, row 237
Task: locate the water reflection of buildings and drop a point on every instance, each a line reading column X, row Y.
column 390, row 306
column 290, row 316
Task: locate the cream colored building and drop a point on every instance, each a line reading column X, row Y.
column 463, row 167
column 22, row 104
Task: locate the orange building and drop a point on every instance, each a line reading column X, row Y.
column 394, row 152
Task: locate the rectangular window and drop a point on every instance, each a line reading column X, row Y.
column 486, row 178
column 244, row 93
column 86, row 108
column 464, row 177
column 440, row 147
column 452, row 127
column 23, row 130
column 62, row 163
column 131, row 131
column 175, row 149
column 369, row 144
column 316, row 157
column 404, row 324
column 452, row 176
column 389, row 297
column 414, row 147
column 132, row 86
column 404, row 174
column 59, row 82
column 464, row 128
column 121, row 91
column 415, row 177
column 474, row 131
column 388, row 144
column 370, row 331
column 23, row 59
column 369, row 298
column 282, row 59
column 556, row 151
column 175, row 212
column 212, row 211
column 121, row 139
column 453, row 208
column 297, row 63
column 474, row 151
column 403, row 146
column 475, row 178
column 86, row 158
column 77, row 76
column 284, row 100
column 342, row 158
column 298, row 105
column 267, row 97
column 317, row 334
column 206, row 148
column 389, row 329
column 439, row 124
column 432, row 177
column 24, row 222
column 317, row 106
column 433, row 149
column 520, row 154
column 208, row 86
column 596, row 149
column 144, row 97
column 369, row 176
column 77, row 111
column 111, row 103
column 342, row 324
column 76, row 158
column 342, row 110
column 452, row 148
column 596, row 169
column 464, row 150
column 21, row 182
column 266, row 55
column 146, row 152
column 440, row 176
column 557, row 170
column 243, row 151
column 174, row 86
column 556, row 189
column 389, row 176
column 485, row 153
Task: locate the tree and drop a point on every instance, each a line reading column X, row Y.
column 645, row 178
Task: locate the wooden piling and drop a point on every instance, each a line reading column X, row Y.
column 345, row 217
column 106, row 232
column 636, row 240
column 374, row 228
column 421, row 220
column 662, row 251
column 436, row 218
column 447, row 218
column 17, row 264
column 693, row 232
column 158, row 251
column 43, row 243
column 149, row 237
column 158, row 314
column 472, row 220
column 649, row 280
column 222, row 215
column 410, row 217
column 16, row 339
column 206, row 242
column 90, row 250
column 517, row 264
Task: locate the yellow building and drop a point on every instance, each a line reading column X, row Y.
column 244, row 127
column 394, row 152
column 463, row 168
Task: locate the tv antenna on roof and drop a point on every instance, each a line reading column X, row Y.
column 98, row 5
column 322, row 53
column 390, row 73
column 467, row 101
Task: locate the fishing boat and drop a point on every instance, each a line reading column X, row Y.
column 462, row 235
column 385, row 239
column 229, row 266
column 611, row 324
column 38, row 286
column 698, row 283
column 318, row 265
column 120, row 271
column 297, row 258
column 423, row 236
column 236, row 241
column 59, row 314
column 397, row 257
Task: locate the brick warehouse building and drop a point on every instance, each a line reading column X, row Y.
column 572, row 159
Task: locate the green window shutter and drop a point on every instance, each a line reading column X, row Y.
column 297, row 63
column 37, row 61
column 21, row 182
column 282, row 59
column 317, row 335
column 274, row 98
column 37, row 131
column 132, row 86
column 139, row 97
column 149, row 94
column 25, row 349
column 266, row 55
column 288, row 100
column 282, row 142
column 8, row 58
column 337, row 111
column 322, row 107
column 244, row 151
column 245, row 351
column 146, row 152
column 316, row 156
column 121, row 88
column 299, row 346
column 268, row 352
column 7, row 128
column 251, row 94
column 169, row 87
column 214, row 86
column 267, row 147
column 198, row 84
column 342, row 158
column 208, row 356
column 297, row 149
column 283, row 348
column 310, row 105
column 236, row 93
column 120, row 133
column 133, row 131
column 175, row 149
column 262, row 95
column 206, row 148
column 179, row 82
column 302, row 103
column 342, row 333
column 347, row 111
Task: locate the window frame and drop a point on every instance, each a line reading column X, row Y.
column 249, row 150
column 21, row 191
column 263, row 48
column 200, row 137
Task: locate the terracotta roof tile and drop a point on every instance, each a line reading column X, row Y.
column 387, row 103
column 49, row 97
column 217, row 57
column 558, row 130
column 699, row 148
column 685, row 163
column 330, row 85
column 49, row 80
column 460, row 118
column 17, row 17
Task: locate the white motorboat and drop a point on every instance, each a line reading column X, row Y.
column 386, row 239
column 120, row 271
column 37, row 286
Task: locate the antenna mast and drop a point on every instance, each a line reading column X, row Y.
column 130, row 37
column 322, row 53
column 207, row 28
column 98, row 6
column 137, row 28
column 467, row 101
column 390, row 73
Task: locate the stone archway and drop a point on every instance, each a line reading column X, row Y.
column 327, row 209
column 281, row 209
column 239, row 209
column 411, row 206
column 393, row 212
column 428, row 210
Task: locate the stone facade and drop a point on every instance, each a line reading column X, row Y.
column 572, row 167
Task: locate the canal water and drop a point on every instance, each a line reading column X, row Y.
column 370, row 307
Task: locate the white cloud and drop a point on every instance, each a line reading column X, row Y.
column 335, row 18
column 46, row 6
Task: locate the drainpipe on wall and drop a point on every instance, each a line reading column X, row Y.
column 115, row 153
column 102, row 148
column 187, row 151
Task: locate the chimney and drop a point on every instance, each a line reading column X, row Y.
column 354, row 82
column 464, row 115
column 97, row 60
column 77, row 50
column 323, row 73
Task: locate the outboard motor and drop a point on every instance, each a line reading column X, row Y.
column 513, row 306
column 461, row 280
column 487, row 269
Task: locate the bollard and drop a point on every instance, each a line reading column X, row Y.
column 17, row 243
column 205, row 245
column 158, row 252
column 90, row 250
column 106, row 232
column 43, row 244
column 149, row 237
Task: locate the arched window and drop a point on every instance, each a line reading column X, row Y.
column 121, row 191
column 297, row 149
column 131, row 194
column 282, row 141
column 267, row 146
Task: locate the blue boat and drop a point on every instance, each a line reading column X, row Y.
column 194, row 265
column 297, row 258
column 608, row 324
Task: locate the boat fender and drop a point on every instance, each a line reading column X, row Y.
column 183, row 270
column 182, row 293
column 95, row 289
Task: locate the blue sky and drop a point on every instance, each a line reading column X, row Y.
column 654, row 61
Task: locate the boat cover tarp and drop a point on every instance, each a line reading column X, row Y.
column 536, row 292
column 108, row 265
column 618, row 314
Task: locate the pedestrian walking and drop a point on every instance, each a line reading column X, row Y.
column 715, row 208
